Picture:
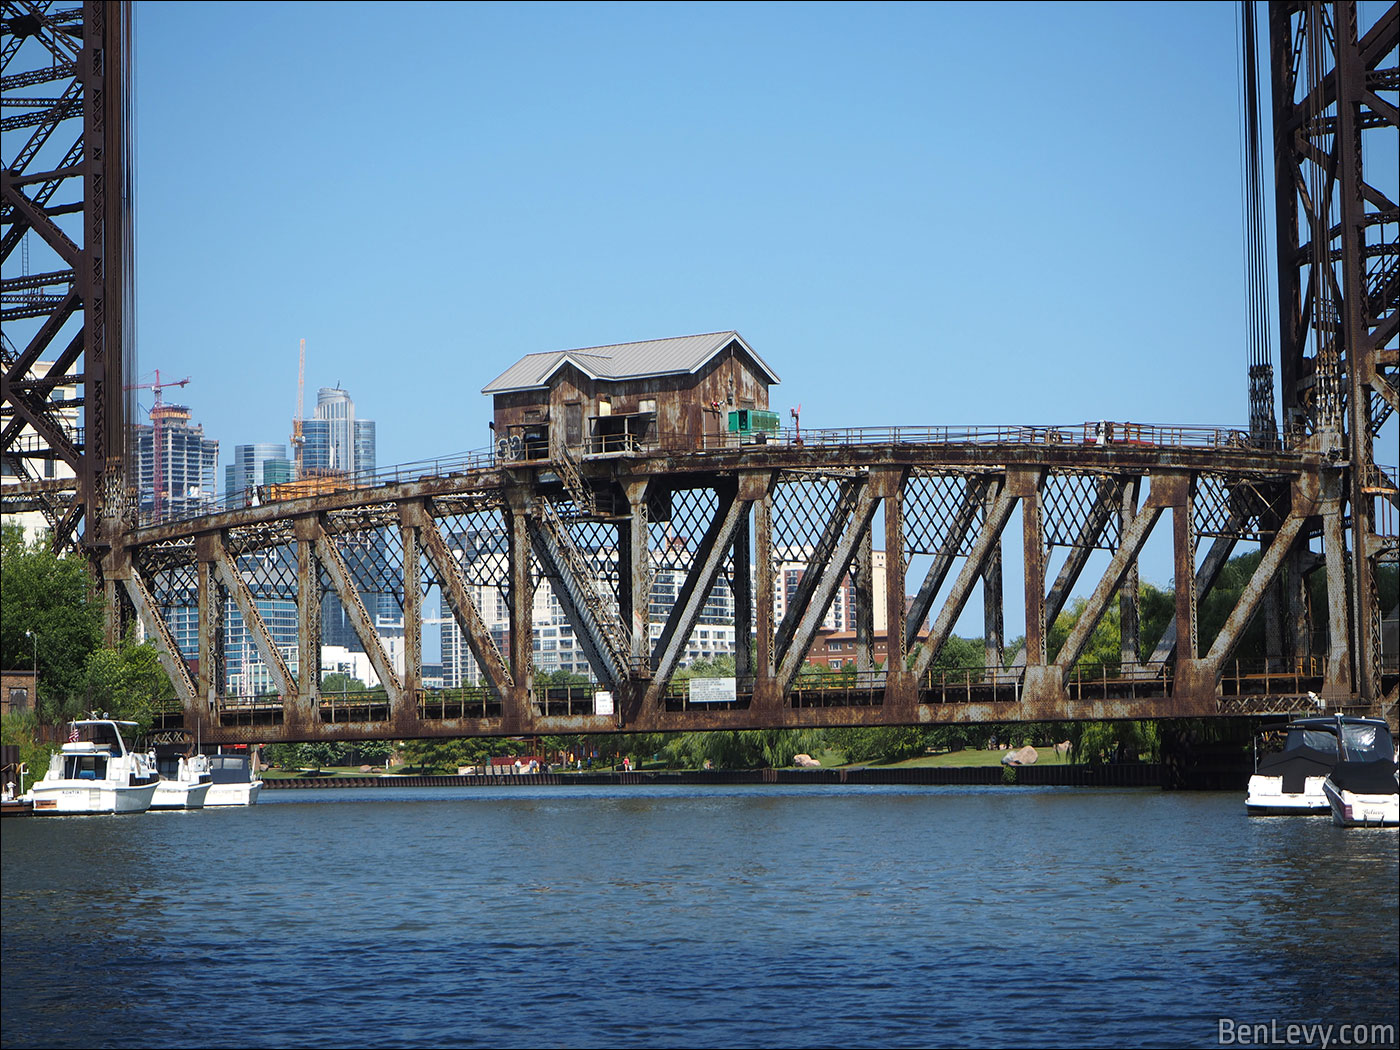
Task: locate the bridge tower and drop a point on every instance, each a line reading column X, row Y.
column 1338, row 244
column 68, row 345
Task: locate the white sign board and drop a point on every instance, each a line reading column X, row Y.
column 602, row 703
column 713, row 690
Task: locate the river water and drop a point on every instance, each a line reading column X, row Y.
column 697, row 916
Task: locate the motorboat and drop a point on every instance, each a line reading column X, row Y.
column 233, row 782
column 95, row 773
column 1363, row 789
column 1289, row 781
column 185, row 781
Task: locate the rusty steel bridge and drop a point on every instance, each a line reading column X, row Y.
column 596, row 525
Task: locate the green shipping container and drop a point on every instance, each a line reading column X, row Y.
column 753, row 421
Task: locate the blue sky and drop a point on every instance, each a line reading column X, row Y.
column 918, row 214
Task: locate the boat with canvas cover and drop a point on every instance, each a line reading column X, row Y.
column 1363, row 789
column 1289, row 781
column 234, row 782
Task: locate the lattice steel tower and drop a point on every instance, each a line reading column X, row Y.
column 68, row 318
column 1336, row 140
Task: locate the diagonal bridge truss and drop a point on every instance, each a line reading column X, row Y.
column 603, row 532
column 949, row 502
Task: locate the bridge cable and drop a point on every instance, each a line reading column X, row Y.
column 1263, row 429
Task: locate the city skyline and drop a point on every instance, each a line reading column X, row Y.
column 338, row 436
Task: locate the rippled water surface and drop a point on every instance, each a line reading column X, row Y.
column 754, row 916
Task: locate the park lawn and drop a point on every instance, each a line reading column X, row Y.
column 973, row 757
column 325, row 771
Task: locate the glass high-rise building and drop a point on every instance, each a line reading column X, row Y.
column 188, row 465
column 315, row 448
column 336, row 440
column 257, row 465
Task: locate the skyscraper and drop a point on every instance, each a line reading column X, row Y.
column 265, row 463
column 335, row 440
column 338, row 444
column 315, row 448
column 63, row 401
column 187, row 467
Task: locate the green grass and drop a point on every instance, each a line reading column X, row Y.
column 334, row 771
column 969, row 757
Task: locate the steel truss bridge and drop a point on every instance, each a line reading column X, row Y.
column 597, row 528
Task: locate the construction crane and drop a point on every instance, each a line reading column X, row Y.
column 298, row 441
column 158, row 440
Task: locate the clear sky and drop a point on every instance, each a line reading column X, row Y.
column 933, row 214
column 917, row 214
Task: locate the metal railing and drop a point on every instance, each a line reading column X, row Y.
column 459, row 465
column 1271, row 677
column 1104, row 433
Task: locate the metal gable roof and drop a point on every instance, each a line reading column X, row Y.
column 651, row 357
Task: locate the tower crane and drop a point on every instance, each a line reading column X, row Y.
column 158, row 440
column 297, row 439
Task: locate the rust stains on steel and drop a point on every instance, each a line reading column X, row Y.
column 478, row 536
column 622, row 462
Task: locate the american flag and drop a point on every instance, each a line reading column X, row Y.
column 73, row 734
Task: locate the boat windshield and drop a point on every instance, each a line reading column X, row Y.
column 85, row 767
column 1323, row 740
column 1365, row 743
column 230, row 769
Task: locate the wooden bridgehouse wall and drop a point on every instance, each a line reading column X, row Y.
column 692, row 410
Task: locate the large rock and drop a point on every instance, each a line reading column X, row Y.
column 805, row 762
column 1021, row 757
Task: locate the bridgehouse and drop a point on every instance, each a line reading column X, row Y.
column 687, row 392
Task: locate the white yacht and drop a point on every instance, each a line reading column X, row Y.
column 185, row 781
column 1289, row 781
column 233, row 781
column 95, row 773
column 1363, row 789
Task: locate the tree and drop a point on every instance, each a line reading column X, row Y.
column 878, row 743
column 560, row 678
column 721, row 666
column 321, row 753
column 335, row 682
column 1104, row 648
column 47, row 606
column 21, row 729
column 1099, row 742
column 284, row 755
column 744, row 749
column 327, row 753
column 438, row 755
column 372, row 751
column 957, row 654
column 127, row 683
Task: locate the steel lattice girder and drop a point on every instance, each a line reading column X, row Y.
column 1339, row 259
column 1284, row 499
column 74, row 163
